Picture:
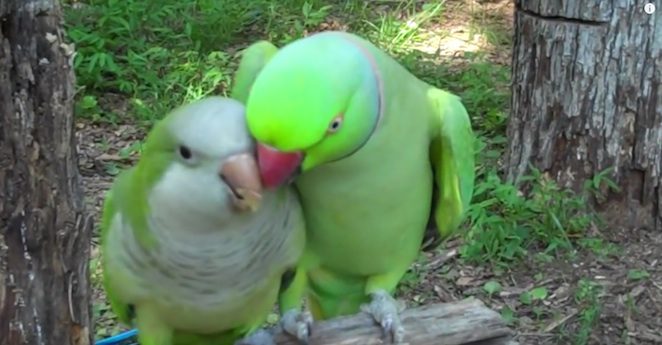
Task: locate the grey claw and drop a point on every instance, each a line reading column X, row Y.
column 298, row 324
column 259, row 337
column 384, row 310
column 393, row 330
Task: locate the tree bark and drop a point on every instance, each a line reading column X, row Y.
column 44, row 233
column 587, row 97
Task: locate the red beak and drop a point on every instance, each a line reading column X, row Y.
column 277, row 167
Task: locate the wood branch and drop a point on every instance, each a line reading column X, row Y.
column 464, row 322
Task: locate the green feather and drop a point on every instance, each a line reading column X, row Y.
column 252, row 61
column 452, row 156
column 121, row 309
column 131, row 187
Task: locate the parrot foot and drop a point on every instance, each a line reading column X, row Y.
column 259, row 337
column 297, row 323
column 385, row 310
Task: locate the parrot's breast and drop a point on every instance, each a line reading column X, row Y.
column 365, row 222
column 207, row 280
column 367, row 214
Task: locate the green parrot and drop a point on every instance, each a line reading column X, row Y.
column 195, row 251
column 377, row 156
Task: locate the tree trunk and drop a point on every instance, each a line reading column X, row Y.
column 44, row 233
column 587, row 97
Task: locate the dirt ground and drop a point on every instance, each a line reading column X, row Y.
column 621, row 291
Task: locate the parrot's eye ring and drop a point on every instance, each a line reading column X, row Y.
column 335, row 124
column 185, row 152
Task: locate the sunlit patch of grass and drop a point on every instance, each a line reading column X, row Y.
column 397, row 30
column 490, row 24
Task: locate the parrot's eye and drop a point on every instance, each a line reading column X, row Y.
column 335, row 124
column 185, row 152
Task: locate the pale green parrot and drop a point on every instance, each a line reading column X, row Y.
column 194, row 250
column 375, row 154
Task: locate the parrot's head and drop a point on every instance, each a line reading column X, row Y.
column 200, row 158
column 316, row 101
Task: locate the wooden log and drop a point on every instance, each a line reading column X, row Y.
column 463, row 322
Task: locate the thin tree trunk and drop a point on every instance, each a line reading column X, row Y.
column 587, row 97
column 44, row 233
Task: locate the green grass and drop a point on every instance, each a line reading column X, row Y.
column 159, row 54
column 137, row 59
column 505, row 224
column 488, row 24
column 588, row 297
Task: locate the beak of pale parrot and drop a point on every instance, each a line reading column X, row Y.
column 241, row 174
column 277, row 167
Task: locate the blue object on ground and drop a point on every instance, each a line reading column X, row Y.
column 124, row 338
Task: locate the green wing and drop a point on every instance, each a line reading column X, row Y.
column 125, row 197
column 123, row 310
column 252, row 61
column 452, row 156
